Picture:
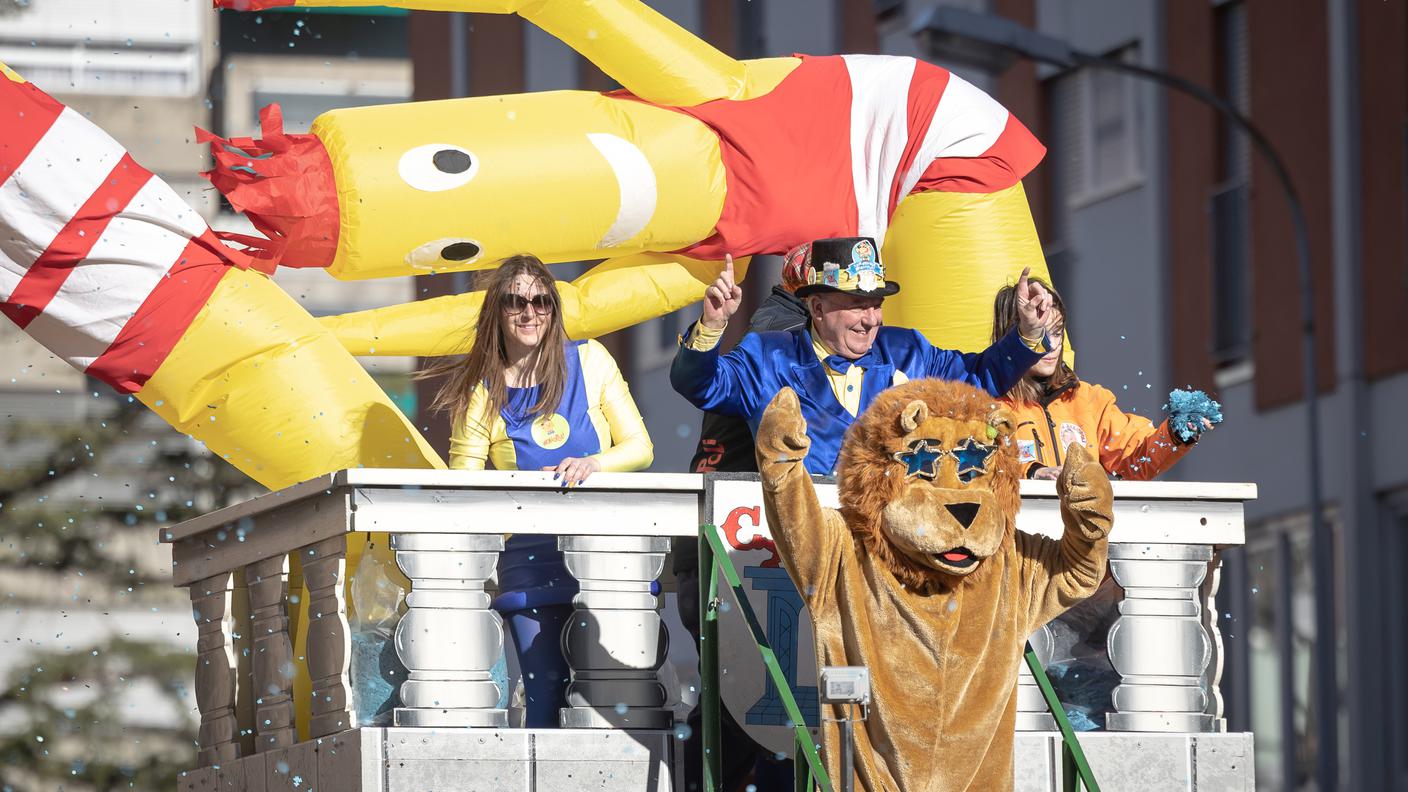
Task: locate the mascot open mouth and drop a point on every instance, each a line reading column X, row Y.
column 958, row 558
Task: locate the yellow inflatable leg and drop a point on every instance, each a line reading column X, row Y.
column 268, row 389
column 951, row 252
column 616, row 293
column 358, row 545
column 650, row 55
column 637, row 288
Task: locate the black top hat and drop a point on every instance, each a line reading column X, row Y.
column 848, row 265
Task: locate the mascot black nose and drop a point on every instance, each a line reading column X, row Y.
column 963, row 512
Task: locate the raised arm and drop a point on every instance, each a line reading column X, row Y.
column 1058, row 574
column 1000, row 366
column 654, row 58
column 809, row 538
column 729, row 384
column 995, row 369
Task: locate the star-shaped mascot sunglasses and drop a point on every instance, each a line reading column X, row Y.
column 923, row 458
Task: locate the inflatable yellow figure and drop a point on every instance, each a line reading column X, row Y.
column 101, row 262
column 701, row 155
column 105, row 265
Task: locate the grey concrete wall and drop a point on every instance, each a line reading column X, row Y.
column 1115, row 285
column 1270, row 447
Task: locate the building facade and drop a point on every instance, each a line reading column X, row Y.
column 1171, row 238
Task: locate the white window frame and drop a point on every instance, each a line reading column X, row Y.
column 1085, row 191
column 117, row 70
column 248, row 76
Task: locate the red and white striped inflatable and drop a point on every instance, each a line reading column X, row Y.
column 104, row 264
column 835, row 147
column 100, row 261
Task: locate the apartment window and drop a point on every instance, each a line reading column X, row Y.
column 1099, row 117
column 1282, row 634
column 1229, row 209
column 1229, row 205
column 300, row 108
column 1397, row 637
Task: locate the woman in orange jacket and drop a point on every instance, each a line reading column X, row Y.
column 1054, row 408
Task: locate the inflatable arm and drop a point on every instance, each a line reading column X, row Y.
column 611, row 296
column 651, row 56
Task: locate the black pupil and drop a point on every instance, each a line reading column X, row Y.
column 451, row 161
column 460, row 251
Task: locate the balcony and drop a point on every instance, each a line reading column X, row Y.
column 1165, row 732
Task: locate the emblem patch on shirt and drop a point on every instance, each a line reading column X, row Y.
column 1071, row 433
column 551, row 431
column 1026, row 451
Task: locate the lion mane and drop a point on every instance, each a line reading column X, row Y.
column 869, row 477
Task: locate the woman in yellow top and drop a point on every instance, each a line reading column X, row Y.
column 527, row 398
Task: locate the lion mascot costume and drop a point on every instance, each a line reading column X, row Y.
column 923, row 578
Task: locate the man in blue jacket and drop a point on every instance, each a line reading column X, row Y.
column 847, row 357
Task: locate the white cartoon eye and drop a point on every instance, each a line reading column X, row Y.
column 436, row 167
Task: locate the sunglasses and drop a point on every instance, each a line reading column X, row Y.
column 923, row 457
column 515, row 304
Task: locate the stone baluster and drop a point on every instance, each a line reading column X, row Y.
column 218, row 737
column 1160, row 645
column 272, row 652
column 448, row 638
column 1212, row 677
column 329, row 649
column 616, row 640
column 1032, row 712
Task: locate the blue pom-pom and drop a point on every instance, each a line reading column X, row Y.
column 1187, row 409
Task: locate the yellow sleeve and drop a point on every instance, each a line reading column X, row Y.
column 1131, row 446
column 470, row 434
column 703, row 339
column 630, row 447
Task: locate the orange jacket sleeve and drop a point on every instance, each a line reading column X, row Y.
column 1130, row 445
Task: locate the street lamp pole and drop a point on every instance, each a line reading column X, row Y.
column 992, row 43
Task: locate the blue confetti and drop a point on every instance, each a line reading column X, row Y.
column 1187, row 409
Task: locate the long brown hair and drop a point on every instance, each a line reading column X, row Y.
column 1005, row 317
column 488, row 357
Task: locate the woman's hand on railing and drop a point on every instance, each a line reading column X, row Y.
column 574, row 470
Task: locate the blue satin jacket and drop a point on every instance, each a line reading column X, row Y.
column 743, row 382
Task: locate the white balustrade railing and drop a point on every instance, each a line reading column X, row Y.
column 447, row 528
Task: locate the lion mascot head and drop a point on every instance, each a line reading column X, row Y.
column 928, row 481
